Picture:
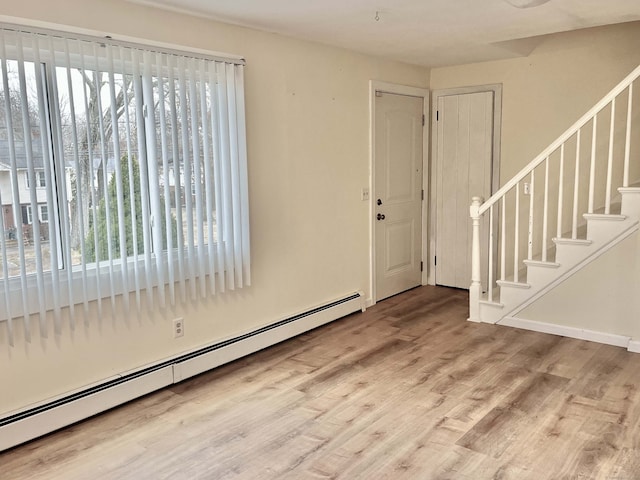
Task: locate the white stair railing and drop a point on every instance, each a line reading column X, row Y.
column 561, row 172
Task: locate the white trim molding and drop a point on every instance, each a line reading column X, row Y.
column 634, row 346
column 573, row 332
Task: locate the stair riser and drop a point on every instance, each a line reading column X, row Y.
column 514, row 296
column 569, row 255
column 540, row 275
column 490, row 314
column 603, row 230
column 631, row 204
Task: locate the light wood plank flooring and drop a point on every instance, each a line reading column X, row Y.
column 407, row 390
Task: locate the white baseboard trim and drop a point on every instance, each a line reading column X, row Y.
column 54, row 417
column 229, row 351
column 572, row 332
column 634, row 346
column 24, row 425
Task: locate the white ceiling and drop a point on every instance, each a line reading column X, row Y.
column 422, row 32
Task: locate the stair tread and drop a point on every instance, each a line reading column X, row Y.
column 540, row 263
column 604, row 216
column 492, row 304
column 571, row 241
column 507, row 283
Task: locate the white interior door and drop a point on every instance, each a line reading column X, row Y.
column 398, row 193
column 464, row 170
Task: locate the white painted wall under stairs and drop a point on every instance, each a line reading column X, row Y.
column 603, row 233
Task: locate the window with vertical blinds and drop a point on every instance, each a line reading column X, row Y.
column 123, row 173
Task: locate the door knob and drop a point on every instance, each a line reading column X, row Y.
column 380, row 216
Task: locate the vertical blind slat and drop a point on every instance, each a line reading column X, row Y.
column 197, row 177
column 79, row 204
column 24, row 296
column 225, row 160
column 243, row 205
column 38, row 231
column 55, row 197
column 131, row 186
column 186, row 155
column 115, row 136
column 150, row 188
column 36, row 237
column 92, row 194
column 217, row 175
column 6, row 309
column 144, row 194
column 177, row 178
column 235, row 177
column 104, row 163
column 205, row 113
column 165, row 169
column 35, row 230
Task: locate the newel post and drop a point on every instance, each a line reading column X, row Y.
column 476, row 287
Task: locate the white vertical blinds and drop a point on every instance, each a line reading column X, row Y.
column 143, row 154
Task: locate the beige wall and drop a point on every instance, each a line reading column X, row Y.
column 547, row 91
column 308, row 145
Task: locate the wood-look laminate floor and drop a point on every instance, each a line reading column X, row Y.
column 407, row 390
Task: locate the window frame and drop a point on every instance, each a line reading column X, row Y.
column 43, row 208
column 55, row 174
column 29, row 214
column 41, row 179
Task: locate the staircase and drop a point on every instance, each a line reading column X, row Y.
column 576, row 200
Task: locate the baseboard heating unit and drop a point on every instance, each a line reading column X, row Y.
column 66, row 410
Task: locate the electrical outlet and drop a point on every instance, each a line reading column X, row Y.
column 365, row 194
column 527, row 189
column 178, row 327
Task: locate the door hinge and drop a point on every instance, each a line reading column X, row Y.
column 421, row 266
column 423, row 119
column 437, row 115
column 422, row 194
column 435, row 261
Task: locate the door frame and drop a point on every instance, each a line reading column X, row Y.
column 397, row 89
column 496, row 88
